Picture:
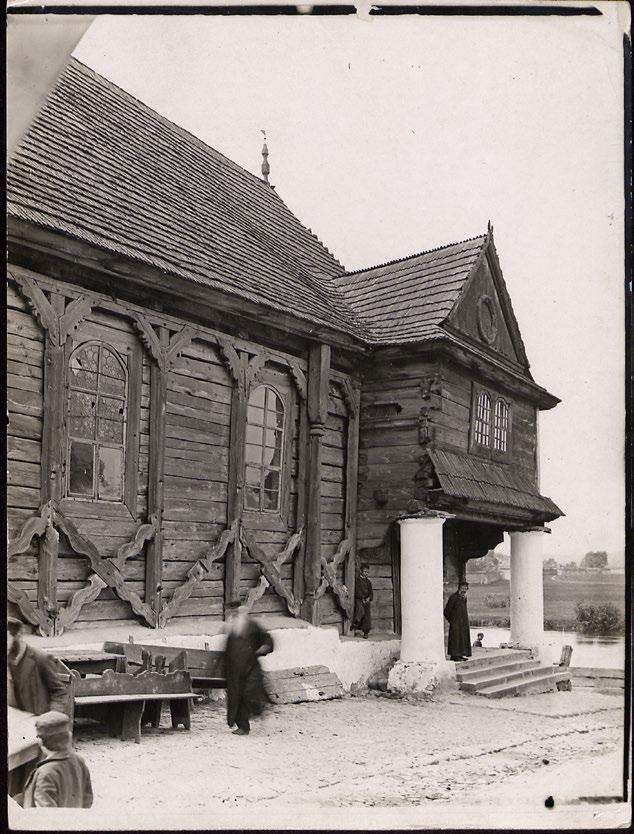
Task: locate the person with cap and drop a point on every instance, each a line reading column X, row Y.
column 61, row 778
column 459, row 641
column 478, row 643
column 363, row 596
column 33, row 684
column 246, row 642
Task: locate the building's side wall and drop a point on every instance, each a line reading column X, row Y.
column 25, row 370
column 204, row 384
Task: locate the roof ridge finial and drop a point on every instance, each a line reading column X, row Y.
column 266, row 170
column 489, row 228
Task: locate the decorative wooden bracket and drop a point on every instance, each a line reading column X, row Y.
column 230, row 357
column 270, row 567
column 329, row 578
column 48, row 617
column 108, row 570
column 57, row 327
column 196, row 573
column 35, row 526
column 163, row 356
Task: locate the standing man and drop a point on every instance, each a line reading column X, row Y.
column 459, row 642
column 363, row 596
column 33, row 684
column 246, row 695
column 61, row 778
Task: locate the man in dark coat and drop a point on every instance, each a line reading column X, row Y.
column 61, row 778
column 33, row 682
column 459, row 642
column 246, row 695
column 363, row 596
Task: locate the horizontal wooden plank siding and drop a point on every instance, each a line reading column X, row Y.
column 24, row 387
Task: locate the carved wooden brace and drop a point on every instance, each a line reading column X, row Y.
column 196, row 573
column 270, row 566
column 164, row 356
column 58, row 327
column 52, row 620
column 329, row 578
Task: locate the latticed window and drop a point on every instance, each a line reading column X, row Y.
column 500, row 426
column 483, row 419
column 264, row 449
column 97, row 398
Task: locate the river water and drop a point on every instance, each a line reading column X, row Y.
column 598, row 652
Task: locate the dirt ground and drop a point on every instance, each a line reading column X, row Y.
column 362, row 751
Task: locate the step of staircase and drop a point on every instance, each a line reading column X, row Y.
column 492, row 660
column 511, row 665
column 541, row 679
column 500, row 675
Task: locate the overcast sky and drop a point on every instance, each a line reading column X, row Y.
column 391, row 136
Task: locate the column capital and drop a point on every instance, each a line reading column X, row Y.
column 425, row 515
column 530, row 530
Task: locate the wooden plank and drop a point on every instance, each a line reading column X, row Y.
column 191, row 531
column 24, row 324
column 24, row 381
column 178, row 509
column 154, row 559
column 22, row 449
column 24, row 497
column 317, row 407
column 24, row 352
column 24, row 402
column 235, row 475
column 24, row 474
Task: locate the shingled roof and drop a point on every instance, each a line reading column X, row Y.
column 464, row 476
column 408, row 299
column 101, row 166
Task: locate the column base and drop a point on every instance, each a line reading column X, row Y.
column 422, row 679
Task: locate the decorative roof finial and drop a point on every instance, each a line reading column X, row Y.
column 266, row 170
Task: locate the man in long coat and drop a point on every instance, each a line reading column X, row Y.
column 33, row 683
column 459, row 642
column 61, row 778
column 246, row 695
column 363, row 596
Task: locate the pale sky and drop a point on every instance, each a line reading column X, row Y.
column 391, row 136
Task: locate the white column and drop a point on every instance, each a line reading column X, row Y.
column 527, row 589
column 421, row 668
column 422, row 632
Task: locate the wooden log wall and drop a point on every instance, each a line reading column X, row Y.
column 25, row 371
column 197, row 432
column 200, row 381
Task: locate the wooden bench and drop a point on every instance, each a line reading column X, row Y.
column 89, row 662
column 126, row 702
column 206, row 668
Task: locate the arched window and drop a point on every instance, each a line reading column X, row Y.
column 483, row 418
column 500, row 426
column 264, row 449
column 97, row 412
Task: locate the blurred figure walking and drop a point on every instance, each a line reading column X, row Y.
column 246, row 642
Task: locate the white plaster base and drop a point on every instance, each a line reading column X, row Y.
column 422, row 679
column 353, row 661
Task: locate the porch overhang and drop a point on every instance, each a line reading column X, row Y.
column 481, row 483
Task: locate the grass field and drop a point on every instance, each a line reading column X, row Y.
column 560, row 598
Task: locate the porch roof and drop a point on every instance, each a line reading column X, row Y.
column 463, row 476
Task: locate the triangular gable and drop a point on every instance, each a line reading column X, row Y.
column 483, row 311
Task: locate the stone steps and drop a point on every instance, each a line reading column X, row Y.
column 509, row 667
column 509, row 673
column 542, row 680
column 488, row 661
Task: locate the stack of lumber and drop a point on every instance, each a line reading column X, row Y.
column 305, row 683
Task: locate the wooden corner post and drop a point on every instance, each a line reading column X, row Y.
column 318, row 377
column 158, row 397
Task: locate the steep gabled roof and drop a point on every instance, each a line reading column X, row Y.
column 101, row 166
column 407, row 300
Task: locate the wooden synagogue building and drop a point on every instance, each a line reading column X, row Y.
column 204, row 405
